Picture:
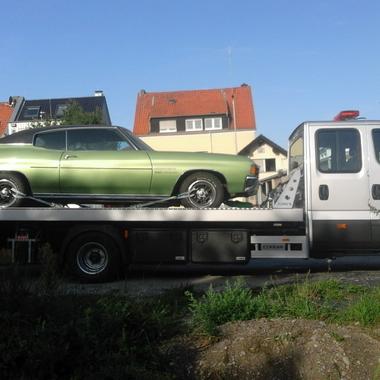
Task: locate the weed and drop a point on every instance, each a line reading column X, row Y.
column 322, row 300
column 365, row 310
column 215, row 308
column 50, row 280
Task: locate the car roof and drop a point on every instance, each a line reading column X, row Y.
column 26, row 136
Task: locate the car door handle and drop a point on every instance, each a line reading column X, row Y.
column 323, row 192
column 68, row 156
column 376, row 191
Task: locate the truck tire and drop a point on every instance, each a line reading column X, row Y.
column 9, row 181
column 206, row 191
column 93, row 257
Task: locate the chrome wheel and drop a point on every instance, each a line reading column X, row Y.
column 92, row 258
column 7, row 197
column 202, row 193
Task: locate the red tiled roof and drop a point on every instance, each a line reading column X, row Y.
column 195, row 103
column 5, row 114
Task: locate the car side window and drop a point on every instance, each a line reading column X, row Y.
column 339, row 151
column 96, row 139
column 51, row 140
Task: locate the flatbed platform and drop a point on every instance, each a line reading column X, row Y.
column 39, row 214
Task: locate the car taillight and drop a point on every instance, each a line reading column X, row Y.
column 347, row 115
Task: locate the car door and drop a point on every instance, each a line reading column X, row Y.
column 100, row 161
column 42, row 166
column 339, row 187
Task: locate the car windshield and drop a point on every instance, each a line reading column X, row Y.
column 141, row 145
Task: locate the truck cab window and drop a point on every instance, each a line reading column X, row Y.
column 338, row 151
column 376, row 143
column 296, row 154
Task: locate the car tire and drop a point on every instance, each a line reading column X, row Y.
column 8, row 182
column 93, row 257
column 205, row 189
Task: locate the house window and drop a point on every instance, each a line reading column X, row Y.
column 168, row 126
column 60, row 110
column 270, row 165
column 31, row 112
column 213, row 123
column 194, row 125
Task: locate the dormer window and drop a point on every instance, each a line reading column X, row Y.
column 194, row 125
column 168, row 126
column 31, row 112
column 213, row 123
column 60, row 110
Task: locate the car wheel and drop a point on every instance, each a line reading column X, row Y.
column 205, row 189
column 93, row 257
column 9, row 183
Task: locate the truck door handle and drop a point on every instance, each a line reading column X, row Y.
column 323, row 192
column 68, row 156
column 376, row 191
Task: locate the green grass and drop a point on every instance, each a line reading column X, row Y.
column 327, row 300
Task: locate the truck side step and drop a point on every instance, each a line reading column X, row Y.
column 295, row 247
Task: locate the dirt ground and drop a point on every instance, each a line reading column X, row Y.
column 281, row 349
column 265, row 349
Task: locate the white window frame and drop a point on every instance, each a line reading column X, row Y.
column 191, row 125
column 213, row 126
column 168, row 126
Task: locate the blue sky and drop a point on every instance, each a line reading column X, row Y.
column 305, row 60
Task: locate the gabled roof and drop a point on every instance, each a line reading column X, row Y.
column 173, row 104
column 49, row 107
column 5, row 113
column 257, row 142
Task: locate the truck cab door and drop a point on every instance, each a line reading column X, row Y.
column 374, row 182
column 339, row 187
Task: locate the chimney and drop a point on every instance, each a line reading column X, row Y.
column 98, row 93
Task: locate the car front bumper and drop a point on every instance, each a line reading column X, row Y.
column 251, row 185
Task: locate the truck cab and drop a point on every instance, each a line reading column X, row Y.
column 340, row 163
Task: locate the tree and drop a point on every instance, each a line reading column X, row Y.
column 74, row 114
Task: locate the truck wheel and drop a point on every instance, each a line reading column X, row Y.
column 8, row 183
column 93, row 257
column 205, row 191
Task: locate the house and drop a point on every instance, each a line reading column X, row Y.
column 5, row 114
column 271, row 158
column 216, row 120
column 27, row 113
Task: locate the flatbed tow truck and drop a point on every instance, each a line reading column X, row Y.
column 328, row 206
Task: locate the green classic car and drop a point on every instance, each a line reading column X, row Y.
column 102, row 164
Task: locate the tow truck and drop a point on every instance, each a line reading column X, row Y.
column 327, row 206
